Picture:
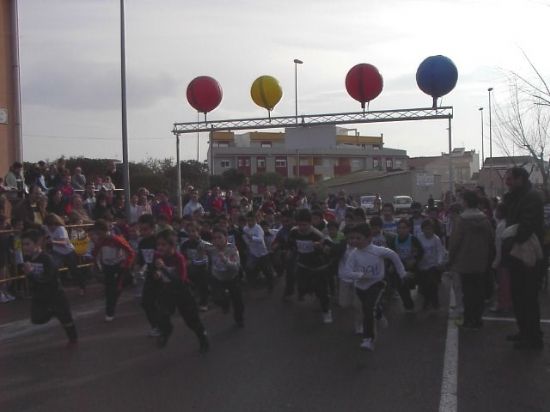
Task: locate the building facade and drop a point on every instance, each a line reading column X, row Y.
column 312, row 153
column 492, row 175
column 464, row 163
column 10, row 119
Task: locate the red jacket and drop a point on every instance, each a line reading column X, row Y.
column 176, row 266
column 113, row 244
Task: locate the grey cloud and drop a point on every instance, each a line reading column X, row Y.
column 93, row 86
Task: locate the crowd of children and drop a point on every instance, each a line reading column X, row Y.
column 190, row 263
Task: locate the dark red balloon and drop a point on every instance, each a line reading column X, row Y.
column 364, row 83
column 204, row 93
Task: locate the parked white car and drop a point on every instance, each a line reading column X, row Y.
column 368, row 203
column 402, row 204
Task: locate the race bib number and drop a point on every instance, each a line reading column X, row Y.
column 148, row 255
column 305, row 246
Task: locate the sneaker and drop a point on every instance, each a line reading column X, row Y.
column 383, row 322
column 358, row 329
column 154, row 332
column 204, row 343
column 109, row 318
column 327, row 317
column 203, row 308
column 367, row 344
column 535, row 345
column 4, row 298
column 516, row 337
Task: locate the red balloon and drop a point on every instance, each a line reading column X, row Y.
column 364, row 83
column 204, row 93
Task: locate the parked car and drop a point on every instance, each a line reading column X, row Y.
column 402, row 204
column 370, row 205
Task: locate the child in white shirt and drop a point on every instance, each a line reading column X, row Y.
column 366, row 267
column 430, row 266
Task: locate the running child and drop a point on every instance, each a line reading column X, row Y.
column 366, row 267
column 311, row 262
column 225, row 265
column 171, row 271
column 48, row 297
column 410, row 252
column 195, row 251
column 114, row 257
column 347, row 297
column 258, row 255
column 430, row 267
column 144, row 263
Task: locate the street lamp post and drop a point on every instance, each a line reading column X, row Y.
column 125, row 161
column 296, row 63
column 178, row 178
column 482, row 140
column 490, row 89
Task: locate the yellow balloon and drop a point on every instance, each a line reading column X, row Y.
column 266, row 92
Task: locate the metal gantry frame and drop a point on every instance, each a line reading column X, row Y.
column 311, row 120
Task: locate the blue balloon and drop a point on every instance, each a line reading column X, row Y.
column 436, row 76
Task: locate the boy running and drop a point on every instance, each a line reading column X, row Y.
column 366, row 267
column 171, row 271
column 48, row 297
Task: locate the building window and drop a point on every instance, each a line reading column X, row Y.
column 244, row 162
column 389, row 164
column 376, row 147
column 260, row 162
column 225, row 164
column 280, row 162
column 356, row 164
column 398, row 164
column 266, row 145
column 375, row 163
column 221, row 144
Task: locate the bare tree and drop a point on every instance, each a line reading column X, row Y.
column 524, row 122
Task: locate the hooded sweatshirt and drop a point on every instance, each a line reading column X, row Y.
column 471, row 247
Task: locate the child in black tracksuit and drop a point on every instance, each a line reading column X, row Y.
column 144, row 261
column 48, row 298
column 171, row 270
column 195, row 250
column 311, row 262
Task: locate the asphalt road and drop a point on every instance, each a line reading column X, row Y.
column 285, row 359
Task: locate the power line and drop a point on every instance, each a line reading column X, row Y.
column 44, row 136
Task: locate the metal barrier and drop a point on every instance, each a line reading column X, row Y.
column 80, row 241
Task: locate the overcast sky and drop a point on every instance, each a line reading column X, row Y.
column 70, row 65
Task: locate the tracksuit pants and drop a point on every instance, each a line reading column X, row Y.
column 232, row 287
column 178, row 297
column 43, row 308
column 370, row 299
column 150, row 299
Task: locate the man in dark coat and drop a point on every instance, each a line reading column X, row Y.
column 524, row 208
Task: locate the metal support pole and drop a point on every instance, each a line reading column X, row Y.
column 211, row 155
column 17, row 112
column 198, row 136
column 178, row 178
column 482, row 139
column 490, row 89
column 296, row 63
column 451, row 174
column 125, row 161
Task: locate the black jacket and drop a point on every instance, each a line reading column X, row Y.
column 525, row 208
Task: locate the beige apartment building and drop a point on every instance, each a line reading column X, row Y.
column 312, row 153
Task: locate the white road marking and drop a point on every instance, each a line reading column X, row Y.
column 448, row 401
column 496, row 319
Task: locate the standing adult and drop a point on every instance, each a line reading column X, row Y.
column 78, row 180
column 470, row 255
column 522, row 236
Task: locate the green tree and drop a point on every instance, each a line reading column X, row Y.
column 267, row 179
